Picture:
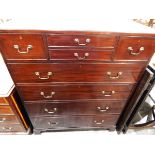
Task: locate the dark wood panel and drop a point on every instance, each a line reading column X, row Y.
column 10, row 43
column 46, row 92
column 107, row 41
column 74, row 121
column 80, row 54
column 135, row 48
column 32, row 73
column 74, row 108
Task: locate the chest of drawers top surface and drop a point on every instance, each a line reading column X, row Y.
column 77, row 24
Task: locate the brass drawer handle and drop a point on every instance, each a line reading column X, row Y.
column 2, row 120
column 44, row 77
column 52, row 123
column 7, row 128
column 114, row 77
column 99, row 123
column 108, row 93
column 81, row 58
column 29, row 47
column 76, row 40
column 103, row 110
column 47, row 97
column 50, row 111
column 130, row 49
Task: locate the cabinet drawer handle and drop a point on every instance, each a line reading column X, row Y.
column 114, row 77
column 81, row 58
column 103, row 110
column 2, row 120
column 47, row 97
column 29, row 47
column 130, row 49
column 52, row 123
column 7, row 128
column 76, row 40
column 99, row 123
column 108, row 93
column 44, row 77
column 50, row 111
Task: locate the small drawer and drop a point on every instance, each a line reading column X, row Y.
column 74, row 108
column 61, row 122
column 6, row 119
column 80, row 55
column 75, row 92
column 3, row 101
column 96, row 41
column 8, row 128
column 6, row 110
column 135, row 48
column 22, row 46
column 71, row 72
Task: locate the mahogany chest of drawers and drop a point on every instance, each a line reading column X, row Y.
column 75, row 80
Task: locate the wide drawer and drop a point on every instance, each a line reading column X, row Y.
column 74, row 108
column 11, row 128
column 32, row 73
column 6, row 119
column 22, row 46
column 75, row 92
column 104, row 41
column 135, row 48
column 74, row 121
column 80, row 55
column 6, row 110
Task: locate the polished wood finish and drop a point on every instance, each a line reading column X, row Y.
column 136, row 42
column 74, row 108
column 79, row 92
column 102, row 41
column 63, row 72
column 63, row 78
column 80, row 55
column 74, row 121
column 7, row 42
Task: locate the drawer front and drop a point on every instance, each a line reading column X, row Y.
column 32, row 73
column 80, row 55
column 8, row 128
column 6, row 110
column 74, row 108
column 135, row 48
column 74, row 121
column 3, row 101
column 22, row 46
column 5, row 119
column 104, row 41
column 75, row 92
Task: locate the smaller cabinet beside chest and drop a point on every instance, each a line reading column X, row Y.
column 13, row 119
